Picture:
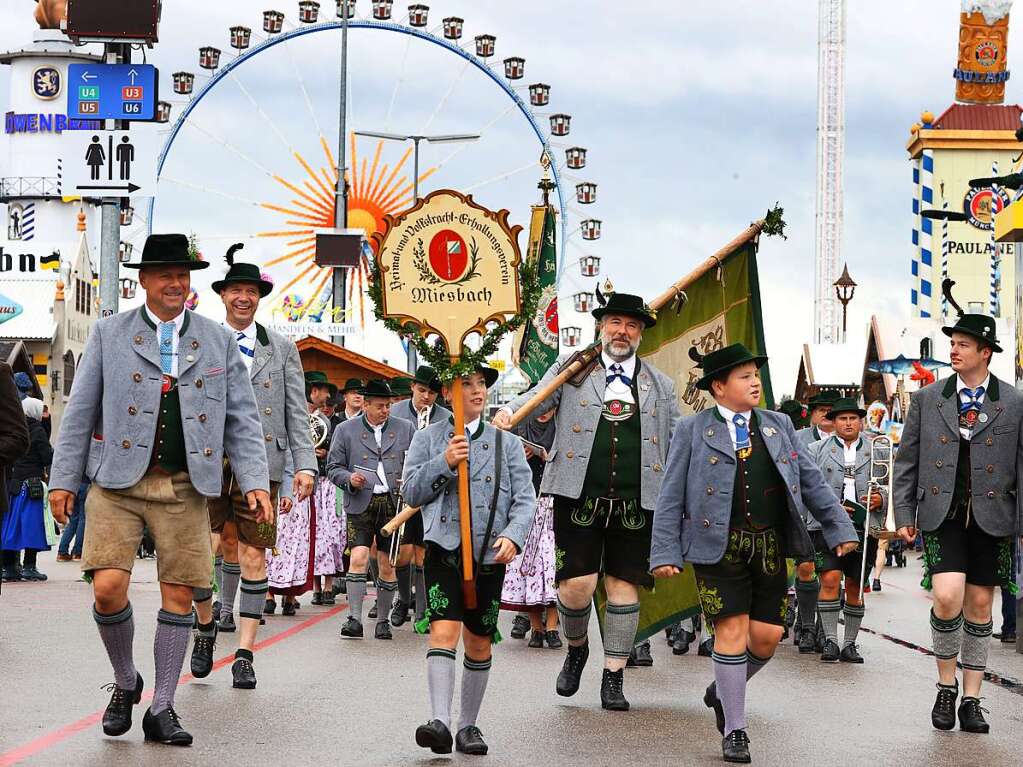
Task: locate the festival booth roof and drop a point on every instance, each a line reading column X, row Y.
column 843, row 368
column 969, row 126
column 340, row 363
column 36, row 322
column 979, row 117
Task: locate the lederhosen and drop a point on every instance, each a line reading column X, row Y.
column 958, row 544
column 443, row 577
column 751, row 579
column 851, row 565
column 364, row 529
column 606, row 530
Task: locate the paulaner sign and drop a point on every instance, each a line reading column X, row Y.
column 448, row 261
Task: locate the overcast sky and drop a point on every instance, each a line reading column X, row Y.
column 697, row 119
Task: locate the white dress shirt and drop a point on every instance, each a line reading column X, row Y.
column 248, row 341
column 617, row 389
column 378, row 433
column 849, row 478
column 728, row 414
column 175, row 336
column 960, row 385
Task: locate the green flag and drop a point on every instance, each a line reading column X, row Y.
column 539, row 345
column 723, row 307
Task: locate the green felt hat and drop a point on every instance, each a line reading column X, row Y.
column 980, row 326
column 428, row 377
column 845, row 405
column 822, row 399
column 317, row 378
column 377, row 387
column 242, row 272
column 401, row 386
column 167, row 250
column 725, row 359
column 629, row 306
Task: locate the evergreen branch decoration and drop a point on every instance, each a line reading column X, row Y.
column 433, row 351
column 774, row 224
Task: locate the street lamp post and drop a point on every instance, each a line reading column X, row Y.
column 845, row 289
column 452, row 138
column 340, row 276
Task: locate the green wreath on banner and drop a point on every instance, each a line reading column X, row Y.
column 434, row 353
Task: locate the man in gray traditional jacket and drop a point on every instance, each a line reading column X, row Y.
column 160, row 399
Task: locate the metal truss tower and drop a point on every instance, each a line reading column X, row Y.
column 827, row 326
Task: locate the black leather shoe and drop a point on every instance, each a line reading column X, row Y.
column 553, row 639
column 226, row 624
column 572, row 670
column 317, row 598
column 166, row 728
column 469, row 740
column 202, row 654
column 807, row 642
column 289, row 608
column 850, row 654
column 735, row 747
column 943, row 714
column 612, row 698
column 216, row 607
column 32, row 574
column 269, row 607
column 399, row 613
column 519, row 627
column 706, row 648
column 243, row 675
column 11, row 575
column 372, row 613
column 328, row 598
column 536, row 639
column 435, row 736
column 830, row 653
column 971, row 716
column 383, row 630
column 352, row 628
column 876, row 585
column 1007, row 637
column 117, row 717
column 640, row 655
column 711, row 700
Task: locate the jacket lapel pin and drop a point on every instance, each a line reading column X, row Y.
column 768, row 431
column 982, row 418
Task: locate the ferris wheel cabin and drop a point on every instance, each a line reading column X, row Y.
column 560, row 124
column 586, row 192
column 382, row 9
column 273, row 22
column 241, row 37
column 308, row 11
column 184, row 83
column 571, row 336
column 209, row 57
column 345, row 9
column 575, row 157
column 539, row 94
column 583, row 301
column 589, row 266
column 485, row 46
column 515, row 68
column 418, row 15
column 591, row 229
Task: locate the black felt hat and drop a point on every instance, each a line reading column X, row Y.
column 722, row 360
column 167, row 250
column 401, row 386
column 377, row 387
column 845, row 405
column 427, row 376
column 352, row 384
column 629, row 306
column 242, row 272
column 822, row 399
column 980, row 326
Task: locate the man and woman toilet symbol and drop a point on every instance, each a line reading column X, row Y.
column 96, row 158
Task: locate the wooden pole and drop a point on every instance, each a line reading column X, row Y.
column 464, row 507
column 658, row 303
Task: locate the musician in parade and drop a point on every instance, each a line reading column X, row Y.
column 278, row 383
column 422, row 409
column 365, row 462
column 613, row 426
column 160, row 399
column 503, row 502
column 957, row 480
column 844, row 459
column 730, row 505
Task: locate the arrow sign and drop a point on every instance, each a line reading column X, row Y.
column 86, row 76
column 119, row 163
column 130, row 188
column 133, row 74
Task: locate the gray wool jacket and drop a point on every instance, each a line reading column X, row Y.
column 829, row 456
column 109, row 427
column 691, row 521
column 353, row 444
column 925, row 465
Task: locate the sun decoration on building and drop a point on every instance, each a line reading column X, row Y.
column 375, row 190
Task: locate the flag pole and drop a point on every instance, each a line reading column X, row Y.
column 585, row 357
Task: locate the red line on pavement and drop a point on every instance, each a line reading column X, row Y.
column 40, row 744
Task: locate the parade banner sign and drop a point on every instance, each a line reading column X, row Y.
column 722, row 308
column 539, row 346
column 449, row 266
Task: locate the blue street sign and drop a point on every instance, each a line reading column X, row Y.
column 112, row 91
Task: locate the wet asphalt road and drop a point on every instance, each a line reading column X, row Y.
column 324, row 701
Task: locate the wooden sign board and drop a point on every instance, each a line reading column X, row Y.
column 450, row 266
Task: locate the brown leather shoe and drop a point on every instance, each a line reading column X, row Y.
column 63, row 557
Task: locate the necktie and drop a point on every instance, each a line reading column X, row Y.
column 243, row 345
column 616, row 371
column 166, row 347
column 742, row 439
column 972, row 399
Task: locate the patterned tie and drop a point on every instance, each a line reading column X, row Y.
column 617, row 371
column 167, row 347
column 742, row 440
column 972, row 401
column 243, row 346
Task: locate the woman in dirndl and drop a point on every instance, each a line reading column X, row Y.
column 25, row 524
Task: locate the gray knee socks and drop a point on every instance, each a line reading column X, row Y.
column 829, row 610
column 253, row 597
column 169, row 649
column 620, row 625
column 440, row 678
column 946, row 636
column 976, row 640
column 576, row 623
column 232, row 574
column 730, row 679
column 385, row 596
column 853, row 617
column 474, row 685
column 356, row 593
column 118, row 632
column 754, row 663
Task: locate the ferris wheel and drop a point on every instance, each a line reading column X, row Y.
column 276, row 167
